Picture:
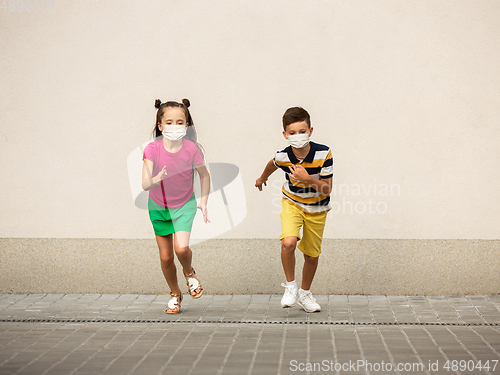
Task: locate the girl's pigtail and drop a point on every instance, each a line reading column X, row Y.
column 156, row 130
column 191, row 131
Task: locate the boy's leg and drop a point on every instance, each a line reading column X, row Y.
column 308, row 271
column 310, row 245
column 291, row 221
column 288, row 245
column 305, row 297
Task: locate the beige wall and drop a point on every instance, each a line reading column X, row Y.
column 407, row 94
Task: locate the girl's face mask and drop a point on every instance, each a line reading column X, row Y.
column 298, row 140
column 174, row 132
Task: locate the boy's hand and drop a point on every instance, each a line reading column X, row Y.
column 259, row 182
column 299, row 173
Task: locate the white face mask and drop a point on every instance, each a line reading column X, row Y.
column 298, row 140
column 174, row 132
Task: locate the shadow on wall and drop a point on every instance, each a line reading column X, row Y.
column 226, row 203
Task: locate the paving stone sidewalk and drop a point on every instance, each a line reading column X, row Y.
column 131, row 334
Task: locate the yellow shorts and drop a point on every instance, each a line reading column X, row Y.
column 293, row 218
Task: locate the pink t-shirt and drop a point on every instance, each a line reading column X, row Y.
column 178, row 183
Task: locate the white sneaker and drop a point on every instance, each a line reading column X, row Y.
column 308, row 303
column 290, row 296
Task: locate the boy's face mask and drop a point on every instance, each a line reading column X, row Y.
column 298, row 140
column 174, row 132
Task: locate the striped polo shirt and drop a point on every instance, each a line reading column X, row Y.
column 319, row 164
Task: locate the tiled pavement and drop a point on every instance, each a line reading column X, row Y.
column 130, row 334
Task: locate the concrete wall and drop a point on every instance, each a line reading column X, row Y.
column 252, row 266
column 407, row 94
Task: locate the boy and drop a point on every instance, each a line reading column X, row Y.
column 308, row 168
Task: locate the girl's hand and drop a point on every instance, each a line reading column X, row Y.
column 203, row 208
column 299, row 173
column 160, row 176
column 259, row 182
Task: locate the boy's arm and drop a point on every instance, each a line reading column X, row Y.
column 324, row 186
column 268, row 170
column 299, row 173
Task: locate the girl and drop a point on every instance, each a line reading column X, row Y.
column 168, row 174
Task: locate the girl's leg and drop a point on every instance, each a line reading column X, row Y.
column 308, row 271
column 168, row 268
column 182, row 250
column 288, row 245
column 185, row 256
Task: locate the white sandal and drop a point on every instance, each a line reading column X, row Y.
column 174, row 305
column 193, row 284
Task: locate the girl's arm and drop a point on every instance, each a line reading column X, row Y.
column 268, row 170
column 148, row 181
column 205, row 189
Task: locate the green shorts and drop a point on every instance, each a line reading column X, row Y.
column 168, row 220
